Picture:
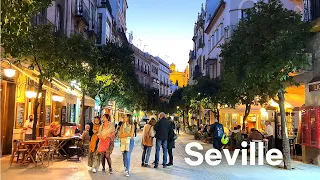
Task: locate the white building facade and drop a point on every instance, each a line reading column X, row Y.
column 154, row 75
column 163, row 77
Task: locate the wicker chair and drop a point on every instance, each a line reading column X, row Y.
column 46, row 151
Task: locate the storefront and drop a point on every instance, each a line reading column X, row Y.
column 310, row 127
column 57, row 103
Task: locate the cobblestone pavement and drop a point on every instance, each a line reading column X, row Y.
column 60, row 170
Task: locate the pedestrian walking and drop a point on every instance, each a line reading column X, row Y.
column 217, row 132
column 147, row 141
column 135, row 128
column 126, row 135
column 178, row 128
column 94, row 156
column 162, row 131
column 106, row 135
column 171, row 142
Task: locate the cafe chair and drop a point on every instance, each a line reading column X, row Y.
column 75, row 151
column 17, row 150
column 53, row 147
column 45, row 151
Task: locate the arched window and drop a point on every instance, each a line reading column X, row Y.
column 246, row 5
column 58, row 18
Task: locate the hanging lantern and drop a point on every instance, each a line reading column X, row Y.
column 9, row 72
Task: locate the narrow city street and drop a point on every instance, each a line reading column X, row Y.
column 64, row 170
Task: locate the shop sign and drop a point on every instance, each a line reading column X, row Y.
column 314, row 87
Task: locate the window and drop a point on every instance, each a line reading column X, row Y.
column 221, row 30
column 212, row 41
column 58, row 18
column 209, row 45
column 99, row 38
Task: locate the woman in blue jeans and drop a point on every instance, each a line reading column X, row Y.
column 126, row 135
column 147, row 141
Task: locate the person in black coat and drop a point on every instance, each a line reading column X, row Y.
column 162, row 128
column 171, row 142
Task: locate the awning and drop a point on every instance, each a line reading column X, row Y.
column 89, row 101
column 295, row 96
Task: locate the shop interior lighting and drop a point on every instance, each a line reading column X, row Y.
column 57, row 98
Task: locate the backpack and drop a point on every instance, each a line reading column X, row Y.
column 218, row 133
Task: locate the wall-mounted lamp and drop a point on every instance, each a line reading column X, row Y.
column 9, row 72
column 32, row 94
column 57, row 98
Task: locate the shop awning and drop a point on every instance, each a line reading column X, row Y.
column 295, row 96
column 89, row 101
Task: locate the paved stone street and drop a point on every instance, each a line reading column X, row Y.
column 180, row 170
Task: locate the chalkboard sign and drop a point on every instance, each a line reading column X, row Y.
column 64, row 114
column 48, row 115
column 20, row 115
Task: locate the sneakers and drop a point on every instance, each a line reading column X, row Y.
column 169, row 164
column 127, row 174
column 146, row 165
column 110, row 171
column 94, row 170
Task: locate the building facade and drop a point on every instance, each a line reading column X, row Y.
column 163, row 77
column 142, row 66
column 215, row 24
column 310, row 139
column 154, row 75
column 179, row 78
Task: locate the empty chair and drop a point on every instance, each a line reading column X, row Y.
column 45, row 152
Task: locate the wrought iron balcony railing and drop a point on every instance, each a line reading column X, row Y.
column 82, row 11
column 39, row 19
column 311, row 10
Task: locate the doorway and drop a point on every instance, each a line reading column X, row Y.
column 8, row 90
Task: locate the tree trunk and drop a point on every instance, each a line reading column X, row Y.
column 35, row 109
column 114, row 113
column 246, row 114
column 285, row 139
column 83, row 110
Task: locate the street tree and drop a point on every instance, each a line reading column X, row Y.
column 270, row 44
column 15, row 21
column 39, row 49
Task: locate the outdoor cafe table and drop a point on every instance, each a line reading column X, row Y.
column 33, row 147
column 62, row 141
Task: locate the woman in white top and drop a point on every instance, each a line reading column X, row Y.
column 126, row 142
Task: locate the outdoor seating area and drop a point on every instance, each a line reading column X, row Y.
column 47, row 150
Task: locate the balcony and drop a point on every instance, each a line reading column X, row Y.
column 82, row 12
column 94, row 28
column 192, row 55
column 197, row 73
column 105, row 4
column 42, row 20
column 312, row 13
column 210, row 61
column 228, row 31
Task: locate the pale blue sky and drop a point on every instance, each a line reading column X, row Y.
column 165, row 26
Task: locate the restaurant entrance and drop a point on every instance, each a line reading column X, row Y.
column 8, row 90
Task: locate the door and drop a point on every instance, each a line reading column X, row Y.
column 7, row 115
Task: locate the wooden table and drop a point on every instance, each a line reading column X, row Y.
column 33, row 147
column 62, row 141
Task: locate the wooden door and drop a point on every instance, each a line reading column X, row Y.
column 7, row 115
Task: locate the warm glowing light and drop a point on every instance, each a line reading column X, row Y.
column 9, row 72
column 57, row 98
column 32, row 94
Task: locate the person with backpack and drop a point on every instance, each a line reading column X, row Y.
column 217, row 132
column 147, row 141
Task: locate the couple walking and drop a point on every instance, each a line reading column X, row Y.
column 165, row 137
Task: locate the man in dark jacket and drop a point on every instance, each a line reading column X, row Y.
column 162, row 128
column 171, row 142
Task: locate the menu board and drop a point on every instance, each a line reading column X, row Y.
column 64, row 114
column 20, row 115
column 48, row 115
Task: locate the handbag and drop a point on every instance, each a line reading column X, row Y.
column 103, row 145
